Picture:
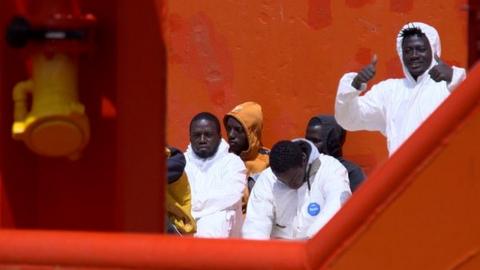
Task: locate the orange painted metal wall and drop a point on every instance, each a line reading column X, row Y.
column 289, row 56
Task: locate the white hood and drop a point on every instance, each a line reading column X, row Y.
column 205, row 163
column 434, row 40
column 314, row 154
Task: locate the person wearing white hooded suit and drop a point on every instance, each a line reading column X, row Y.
column 397, row 107
column 217, row 180
column 300, row 192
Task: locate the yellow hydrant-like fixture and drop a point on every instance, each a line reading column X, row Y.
column 56, row 125
column 48, row 116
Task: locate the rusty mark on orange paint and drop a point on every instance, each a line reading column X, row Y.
column 176, row 38
column 394, row 68
column 401, row 6
column 358, row 3
column 364, row 56
column 464, row 7
column 202, row 53
column 319, row 13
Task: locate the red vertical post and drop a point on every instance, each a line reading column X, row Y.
column 141, row 67
column 118, row 183
column 18, row 187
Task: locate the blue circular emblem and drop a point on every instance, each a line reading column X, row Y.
column 313, row 209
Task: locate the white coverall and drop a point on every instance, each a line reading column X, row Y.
column 217, row 185
column 395, row 107
column 276, row 211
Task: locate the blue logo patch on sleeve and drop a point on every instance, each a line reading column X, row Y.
column 313, row 209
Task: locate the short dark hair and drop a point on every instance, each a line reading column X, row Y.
column 285, row 155
column 411, row 30
column 206, row 116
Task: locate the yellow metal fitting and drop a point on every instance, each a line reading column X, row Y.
column 56, row 125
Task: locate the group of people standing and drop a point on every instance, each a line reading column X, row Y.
column 239, row 188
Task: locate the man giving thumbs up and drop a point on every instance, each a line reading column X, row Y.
column 397, row 107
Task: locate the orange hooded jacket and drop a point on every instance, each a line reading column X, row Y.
column 250, row 116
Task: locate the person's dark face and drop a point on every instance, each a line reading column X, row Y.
column 237, row 137
column 416, row 54
column 293, row 177
column 314, row 134
column 204, row 138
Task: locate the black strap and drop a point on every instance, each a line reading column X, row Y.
column 306, row 178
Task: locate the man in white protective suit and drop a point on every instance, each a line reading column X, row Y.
column 397, row 107
column 217, row 180
column 300, row 192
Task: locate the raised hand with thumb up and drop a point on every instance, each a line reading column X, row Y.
column 441, row 71
column 366, row 74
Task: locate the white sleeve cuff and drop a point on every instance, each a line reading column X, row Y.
column 458, row 76
column 346, row 83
